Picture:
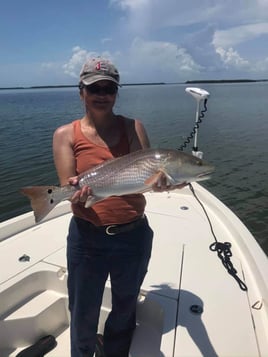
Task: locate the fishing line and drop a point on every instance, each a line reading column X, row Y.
column 196, row 126
column 223, row 249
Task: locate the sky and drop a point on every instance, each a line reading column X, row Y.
column 47, row 42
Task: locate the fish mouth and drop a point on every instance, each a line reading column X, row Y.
column 205, row 175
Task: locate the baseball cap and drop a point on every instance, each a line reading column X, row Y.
column 97, row 69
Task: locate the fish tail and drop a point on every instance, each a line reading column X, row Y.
column 43, row 199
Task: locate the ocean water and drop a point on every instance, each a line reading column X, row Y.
column 233, row 136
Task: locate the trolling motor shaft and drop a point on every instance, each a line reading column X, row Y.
column 200, row 95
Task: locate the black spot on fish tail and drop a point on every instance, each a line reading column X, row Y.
column 43, row 199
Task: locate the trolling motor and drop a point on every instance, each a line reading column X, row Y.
column 200, row 95
column 223, row 249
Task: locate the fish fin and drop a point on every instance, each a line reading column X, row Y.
column 170, row 179
column 147, row 189
column 157, row 177
column 154, row 178
column 43, row 199
column 91, row 200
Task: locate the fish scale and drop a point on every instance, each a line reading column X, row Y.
column 122, row 174
column 136, row 172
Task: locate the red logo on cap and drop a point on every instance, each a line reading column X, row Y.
column 101, row 66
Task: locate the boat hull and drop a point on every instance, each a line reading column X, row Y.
column 189, row 305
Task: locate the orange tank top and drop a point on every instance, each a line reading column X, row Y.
column 114, row 209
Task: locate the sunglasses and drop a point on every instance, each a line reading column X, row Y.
column 96, row 89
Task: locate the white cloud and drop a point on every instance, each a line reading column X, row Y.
column 159, row 13
column 239, row 34
column 79, row 57
column 73, row 66
column 207, row 37
column 261, row 67
column 199, row 45
column 167, row 40
column 161, row 59
column 233, row 21
column 202, row 40
column 142, row 16
column 142, row 61
column 231, row 58
column 164, row 13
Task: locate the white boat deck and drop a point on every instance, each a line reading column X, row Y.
column 183, row 273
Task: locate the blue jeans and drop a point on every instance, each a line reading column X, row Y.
column 92, row 255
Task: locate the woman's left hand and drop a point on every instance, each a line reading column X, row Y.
column 82, row 194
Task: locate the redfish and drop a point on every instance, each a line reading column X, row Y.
column 133, row 173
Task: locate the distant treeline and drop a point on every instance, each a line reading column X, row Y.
column 150, row 84
column 225, row 81
column 76, row 85
column 40, row 87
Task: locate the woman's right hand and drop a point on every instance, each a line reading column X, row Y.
column 80, row 195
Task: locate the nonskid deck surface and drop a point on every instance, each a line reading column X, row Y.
column 189, row 304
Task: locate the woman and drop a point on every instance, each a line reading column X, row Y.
column 113, row 236
column 94, row 249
